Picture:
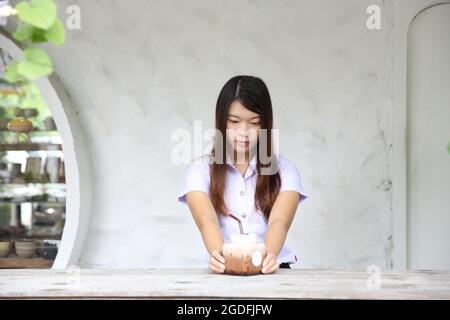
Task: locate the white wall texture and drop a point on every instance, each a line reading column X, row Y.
column 137, row 70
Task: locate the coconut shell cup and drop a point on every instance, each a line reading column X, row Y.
column 244, row 255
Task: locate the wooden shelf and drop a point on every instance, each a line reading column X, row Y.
column 42, row 236
column 30, row 147
column 14, row 262
column 33, row 237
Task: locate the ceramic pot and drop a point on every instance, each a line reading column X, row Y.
column 25, row 248
column 20, row 125
column 5, row 248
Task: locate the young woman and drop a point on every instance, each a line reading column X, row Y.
column 234, row 181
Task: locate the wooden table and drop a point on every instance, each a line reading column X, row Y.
column 201, row 284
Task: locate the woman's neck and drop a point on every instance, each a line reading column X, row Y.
column 242, row 162
column 242, row 168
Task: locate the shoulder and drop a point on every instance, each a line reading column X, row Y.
column 285, row 164
column 200, row 165
column 196, row 177
column 290, row 177
column 203, row 161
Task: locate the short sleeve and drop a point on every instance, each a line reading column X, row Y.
column 291, row 180
column 195, row 178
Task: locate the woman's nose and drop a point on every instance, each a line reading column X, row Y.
column 243, row 128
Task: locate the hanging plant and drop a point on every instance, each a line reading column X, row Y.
column 37, row 24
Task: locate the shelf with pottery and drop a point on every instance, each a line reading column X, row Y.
column 23, row 126
column 48, row 202
column 27, row 253
column 41, row 185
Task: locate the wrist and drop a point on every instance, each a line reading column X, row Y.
column 270, row 250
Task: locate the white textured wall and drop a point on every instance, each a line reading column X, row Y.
column 139, row 69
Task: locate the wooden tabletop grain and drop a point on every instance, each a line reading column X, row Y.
column 201, row 284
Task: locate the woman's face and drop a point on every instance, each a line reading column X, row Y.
column 242, row 128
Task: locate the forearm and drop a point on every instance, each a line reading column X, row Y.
column 212, row 236
column 206, row 219
column 275, row 237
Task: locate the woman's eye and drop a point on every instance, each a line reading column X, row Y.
column 255, row 123
column 234, row 121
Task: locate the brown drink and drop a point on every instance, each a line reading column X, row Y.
column 244, row 255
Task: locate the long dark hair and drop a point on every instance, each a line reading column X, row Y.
column 253, row 94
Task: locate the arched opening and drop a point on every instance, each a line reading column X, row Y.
column 404, row 16
column 76, row 164
column 427, row 134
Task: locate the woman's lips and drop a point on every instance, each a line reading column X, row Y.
column 242, row 143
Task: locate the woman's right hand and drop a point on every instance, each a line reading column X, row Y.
column 216, row 262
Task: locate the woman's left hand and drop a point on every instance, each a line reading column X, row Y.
column 270, row 263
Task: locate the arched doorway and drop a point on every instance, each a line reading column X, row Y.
column 427, row 137
column 76, row 163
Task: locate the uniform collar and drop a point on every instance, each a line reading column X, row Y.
column 251, row 169
column 251, row 166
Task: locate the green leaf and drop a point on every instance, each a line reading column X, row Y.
column 11, row 74
column 36, row 64
column 28, row 32
column 23, row 32
column 38, row 35
column 38, row 13
column 56, row 33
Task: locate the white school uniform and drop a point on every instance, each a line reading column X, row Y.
column 239, row 197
